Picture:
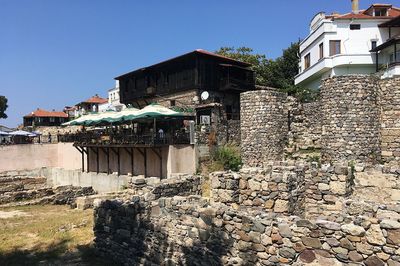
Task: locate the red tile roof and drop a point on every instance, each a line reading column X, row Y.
column 366, row 14
column 44, row 113
column 96, row 99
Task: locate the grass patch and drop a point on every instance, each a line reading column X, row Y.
column 227, row 157
column 47, row 235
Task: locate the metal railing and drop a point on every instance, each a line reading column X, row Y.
column 126, row 138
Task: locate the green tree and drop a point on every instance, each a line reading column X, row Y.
column 259, row 62
column 3, row 106
column 278, row 73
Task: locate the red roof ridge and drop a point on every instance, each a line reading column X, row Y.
column 44, row 113
column 96, row 99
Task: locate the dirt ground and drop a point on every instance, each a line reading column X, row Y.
column 47, row 235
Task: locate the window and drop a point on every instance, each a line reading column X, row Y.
column 355, row 26
column 334, row 47
column 172, row 103
column 307, row 61
column 321, row 50
column 52, row 119
column 373, row 44
column 380, row 12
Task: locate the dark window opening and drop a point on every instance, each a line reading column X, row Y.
column 373, row 44
column 307, row 60
column 380, row 12
column 172, row 102
column 355, row 26
column 321, row 50
column 228, row 110
column 334, row 47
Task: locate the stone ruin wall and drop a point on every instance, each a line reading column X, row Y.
column 31, row 187
column 350, row 116
column 389, row 103
column 357, row 118
column 263, row 122
column 305, row 125
column 337, row 222
column 275, row 188
column 288, row 212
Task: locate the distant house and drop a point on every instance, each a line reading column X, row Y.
column 360, row 42
column 205, row 83
column 113, row 100
column 70, row 111
column 42, row 117
column 89, row 105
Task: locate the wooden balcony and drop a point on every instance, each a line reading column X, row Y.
column 126, row 139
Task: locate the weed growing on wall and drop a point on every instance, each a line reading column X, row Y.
column 228, row 156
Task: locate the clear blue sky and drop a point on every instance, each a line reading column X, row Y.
column 57, row 53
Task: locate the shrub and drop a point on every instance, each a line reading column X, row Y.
column 228, row 156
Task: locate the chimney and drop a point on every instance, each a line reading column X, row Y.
column 354, row 6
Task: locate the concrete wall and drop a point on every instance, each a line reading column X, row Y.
column 175, row 159
column 181, row 159
column 28, row 157
column 99, row 182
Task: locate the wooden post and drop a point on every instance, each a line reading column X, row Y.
column 82, row 156
column 145, row 162
column 132, row 161
column 154, row 131
column 160, row 163
column 108, row 160
column 87, row 159
column 83, row 161
column 97, row 161
column 119, row 162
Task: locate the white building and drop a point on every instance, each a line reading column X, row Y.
column 113, row 100
column 347, row 44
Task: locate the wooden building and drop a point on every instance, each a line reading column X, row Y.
column 207, row 84
column 41, row 117
column 204, row 86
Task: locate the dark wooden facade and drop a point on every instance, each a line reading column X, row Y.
column 42, row 117
column 198, row 70
column 44, row 121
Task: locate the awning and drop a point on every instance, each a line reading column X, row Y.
column 3, row 133
column 22, row 133
column 151, row 111
column 155, row 110
column 83, row 120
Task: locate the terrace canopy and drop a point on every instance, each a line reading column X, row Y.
column 22, row 133
column 3, row 133
column 149, row 112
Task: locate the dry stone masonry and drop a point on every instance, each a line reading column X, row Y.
column 263, row 126
column 350, row 119
column 389, row 103
column 277, row 188
column 30, row 187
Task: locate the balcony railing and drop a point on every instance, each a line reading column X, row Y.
column 124, row 138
